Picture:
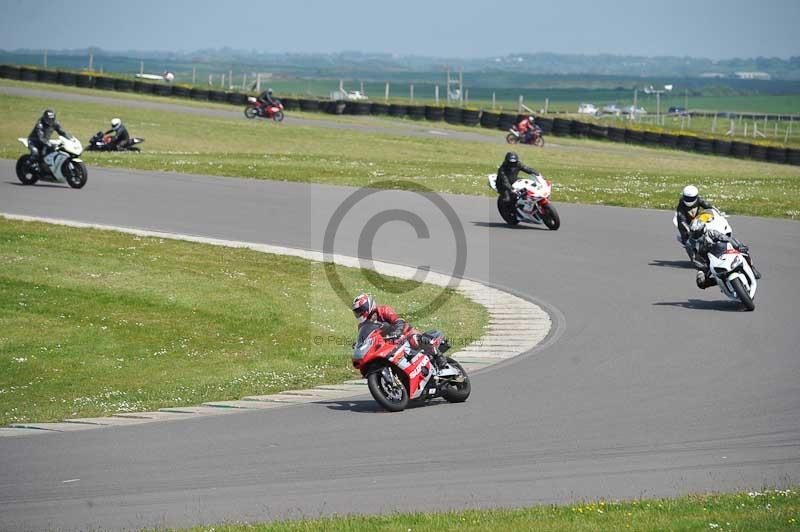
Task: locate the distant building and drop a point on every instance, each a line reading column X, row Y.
column 753, row 75
column 712, row 75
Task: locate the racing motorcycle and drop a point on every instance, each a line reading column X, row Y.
column 397, row 374
column 100, row 142
column 60, row 165
column 728, row 266
column 255, row 109
column 515, row 137
column 533, row 202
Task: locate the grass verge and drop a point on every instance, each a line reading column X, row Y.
column 583, row 171
column 96, row 322
column 768, row 510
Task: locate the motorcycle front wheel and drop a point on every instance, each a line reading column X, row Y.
column 459, row 391
column 75, row 174
column 278, row 116
column 550, row 217
column 24, row 171
column 250, row 111
column 512, row 138
column 387, row 389
column 539, row 142
column 743, row 294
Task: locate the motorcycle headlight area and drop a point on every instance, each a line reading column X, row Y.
column 362, row 349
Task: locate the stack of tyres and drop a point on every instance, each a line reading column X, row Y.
column 416, row 112
column 235, row 98
column 199, row 94
column 434, row 113
column 776, row 154
column 651, row 138
column 722, row 147
column 561, row 127
column 28, row 74
column 668, row 140
column 182, row 91
column 740, row 149
column 758, row 152
column 164, row 90
column 616, row 134
column 634, row 136
column 10, row 72
column 290, row 104
column 307, row 104
column 546, row 125
column 704, row 145
column 48, row 76
column 67, row 78
column 452, row 115
column 793, row 156
column 489, row 119
column 217, row 96
column 84, row 80
column 578, row 129
column 470, row 117
column 686, row 142
column 397, row 110
column 142, row 87
column 103, row 82
column 124, row 85
column 379, row 108
column 505, row 121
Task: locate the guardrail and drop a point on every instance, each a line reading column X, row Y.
column 452, row 115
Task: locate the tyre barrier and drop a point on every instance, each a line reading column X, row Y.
column 561, row 127
column 759, row 153
column 434, row 113
column 309, row 105
column 596, row 131
column 163, row 90
column 452, row 115
column 702, row 145
column 83, row 80
column 470, row 117
column 142, row 87
column 199, row 94
column 217, row 96
column 104, row 83
column 546, row 125
column 48, row 76
column 651, row 138
column 489, row 119
column 66, row 78
column 336, row 108
column 634, row 136
column 793, row 156
column 505, row 121
column 181, row 92
column 28, row 74
column 397, row 110
column 722, row 147
column 234, row 98
column 616, row 134
column 740, row 149
column 776, row 155
column 290, row 104
column 668, row 140
column 416, row 112
column 379, row 108
column 578, row 129
column 686, row 142
column 124, row 85
column 357, row 108
column 9, row 71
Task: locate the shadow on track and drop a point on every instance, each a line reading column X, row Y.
column 700, row 304
column 368, row 406
column 38, row 185
column 682, row 264
column 514, row 227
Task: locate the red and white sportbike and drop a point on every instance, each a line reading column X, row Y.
column 255, row 108
column 533, row 202
column 396, row 373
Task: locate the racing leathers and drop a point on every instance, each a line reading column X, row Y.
column 39, row 139
column 685, row 215
column 704, row 244
column 398, row 328
column 506, row 175
column 120, row 139
column 526, row 128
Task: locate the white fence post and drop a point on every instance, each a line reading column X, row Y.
column 386, row 92
column 493, row 100
column 546, row 104
column 411, row 91
column 436, row 94
column 194, row 75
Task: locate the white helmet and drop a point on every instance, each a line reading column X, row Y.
column 115, row 123
column 690, row 195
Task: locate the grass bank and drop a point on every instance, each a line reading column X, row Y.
column 583, row 171
column 97, row 322
column 766, row 511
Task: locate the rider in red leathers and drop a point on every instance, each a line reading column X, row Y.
column 365, row 309
column 526, row 128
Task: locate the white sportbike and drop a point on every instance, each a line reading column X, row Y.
column 533, row 202
column 61, row 165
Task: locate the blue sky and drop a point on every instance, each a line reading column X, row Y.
column 466, row 28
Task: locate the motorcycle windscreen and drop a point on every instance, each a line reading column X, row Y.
column 363, row 342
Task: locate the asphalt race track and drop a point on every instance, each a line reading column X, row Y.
column 646, row 387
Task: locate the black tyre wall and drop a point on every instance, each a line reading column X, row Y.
column 489, row 119
column 470, row 117
column 452, row 115
column 398, row 110
column 546, row 124
column 434, row 112
column 416, row 112
column 28, row 74
column 616, row 134
column 379, row 108
column 776, row 155
column 67, row 78
column 124, row 85
column 722, row 147
column 10, row 72
column 199, row 94
column 142, row 87
column 740, row 149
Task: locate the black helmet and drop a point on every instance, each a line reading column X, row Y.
column 49, row 117
column 269, row 91
column 512, row 158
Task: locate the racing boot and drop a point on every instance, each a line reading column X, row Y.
column 704, row 280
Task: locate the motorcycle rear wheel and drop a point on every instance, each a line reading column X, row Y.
column 550, row 217
column 508, row 217
column 386, row 390
column 539, row 142
column 25, row 172
column 743, row 294
column 459, row 392
column 512, row 138
column 75, row 174
column 278, row 116
column 250, row 112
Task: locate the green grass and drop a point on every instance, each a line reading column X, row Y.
column 768, row 510
column 583, row 171
column 97, row 322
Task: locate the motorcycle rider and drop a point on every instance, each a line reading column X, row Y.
column 688, row 207
column 526, row 128
column 506, row 175
column 366, row 309
column 121, row 138
column 705, row 238
column 39, row 139
column 267, row 99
